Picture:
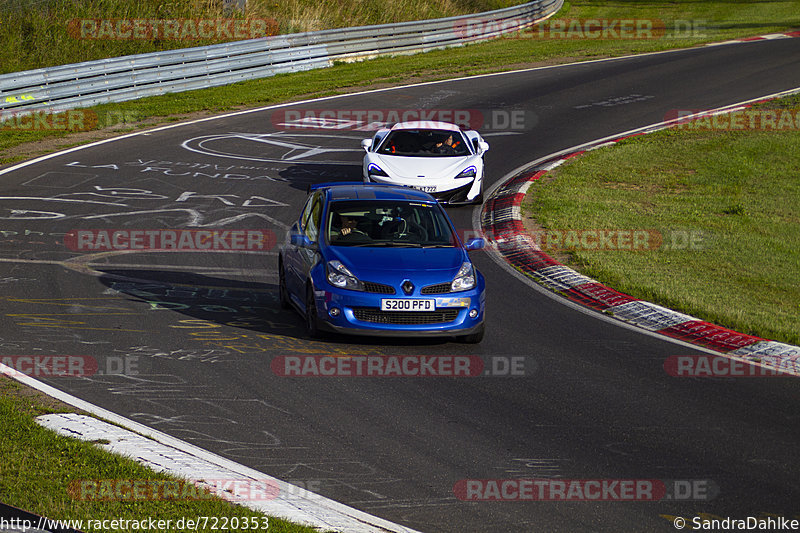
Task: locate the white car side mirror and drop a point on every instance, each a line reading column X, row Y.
column 366, row 144
column 483, row 146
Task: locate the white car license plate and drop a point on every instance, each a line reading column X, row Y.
column 425, row 188
column 388, row 304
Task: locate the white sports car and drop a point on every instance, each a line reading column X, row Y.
column 435, row 157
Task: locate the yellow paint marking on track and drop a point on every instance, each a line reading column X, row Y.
column 74, row 327
column 71, row 302
column 34, row 315
column 60, row 323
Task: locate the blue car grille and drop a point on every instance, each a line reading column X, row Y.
column 379, row 288
column 441, row 288
column 372, row 314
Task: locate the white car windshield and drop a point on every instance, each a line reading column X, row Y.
column 424, row 143
column 392, row 223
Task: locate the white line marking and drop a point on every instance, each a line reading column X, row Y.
column 320, row 509
column 216, row 473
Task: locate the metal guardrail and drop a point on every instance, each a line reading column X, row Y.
column 129, row 77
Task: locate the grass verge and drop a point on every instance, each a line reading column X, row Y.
column 39, row 466
column 44, row 33
column 688, row 24
column 726, row 203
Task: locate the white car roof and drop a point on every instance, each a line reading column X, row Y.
column 426, row 125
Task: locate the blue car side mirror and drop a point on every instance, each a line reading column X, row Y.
column 301, row 240
column 475, row 244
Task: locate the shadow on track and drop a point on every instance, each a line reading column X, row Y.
column 229, row 303
column 301, row 176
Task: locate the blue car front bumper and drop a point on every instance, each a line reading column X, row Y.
column 359, row 313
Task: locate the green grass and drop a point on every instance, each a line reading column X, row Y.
column 713, row 21
column 39, row 466
column 737, row 192
column 44, row 33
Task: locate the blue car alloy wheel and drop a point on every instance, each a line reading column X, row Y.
column 373, row 259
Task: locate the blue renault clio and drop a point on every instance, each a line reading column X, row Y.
column 372, row 259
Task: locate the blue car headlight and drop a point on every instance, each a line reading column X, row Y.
column 469, row 172
column 341, row 277
column 465, row 279
column 375, row 170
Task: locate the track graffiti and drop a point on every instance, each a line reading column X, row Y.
column 205, row 170
column 208, row 356
column 78, row 198
column 80, row 314
column 280, row 147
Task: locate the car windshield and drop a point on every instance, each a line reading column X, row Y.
column 424, row 143
column 382, row 223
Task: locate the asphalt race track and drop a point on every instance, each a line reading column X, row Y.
column 184, row 341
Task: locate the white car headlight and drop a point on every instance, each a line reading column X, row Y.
column 465, row 279
column 375, row 170
column 340, row 276
column 469, row 172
